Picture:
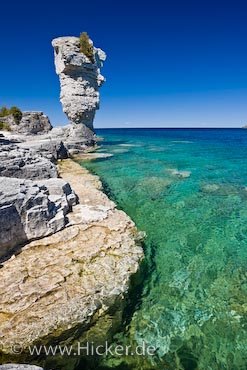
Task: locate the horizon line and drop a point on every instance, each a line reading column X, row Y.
column 171, row 128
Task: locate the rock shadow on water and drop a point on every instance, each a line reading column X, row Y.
column 187, row 359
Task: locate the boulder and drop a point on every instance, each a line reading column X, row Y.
column 75, row 137
column 30, row 210
column 31, row 123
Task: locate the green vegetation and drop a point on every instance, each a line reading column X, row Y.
column 4, row 126
column 17, row 114
column 86, row 47
column 4, row 112
column 14, row 111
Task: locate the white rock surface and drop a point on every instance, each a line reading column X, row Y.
column 32, row 123
column 76, row 137
column 24, row 163
column 31, row 210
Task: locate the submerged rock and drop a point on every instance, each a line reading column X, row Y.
column 210, row 188
column 80, row 80
column 93, row 155
column 179, row 174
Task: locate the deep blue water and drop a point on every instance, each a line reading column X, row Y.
column 187, row 189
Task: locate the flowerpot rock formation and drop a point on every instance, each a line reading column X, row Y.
column 80, row 80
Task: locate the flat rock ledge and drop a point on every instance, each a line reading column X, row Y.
column 69, row 286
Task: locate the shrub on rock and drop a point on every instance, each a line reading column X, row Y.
column 17, row 114
column 14, row 111
column 86, row 47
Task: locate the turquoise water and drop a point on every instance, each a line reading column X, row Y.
column 187, row 189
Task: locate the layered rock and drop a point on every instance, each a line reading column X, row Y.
column 70, row 286
column 80, row 80
column 49, row 147
column 24, row 163
column 31, row 123
column 31, row 210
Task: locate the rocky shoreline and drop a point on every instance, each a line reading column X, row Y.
column 67, row 254
column 69, row 286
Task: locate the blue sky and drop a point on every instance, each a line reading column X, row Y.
column 170, row 63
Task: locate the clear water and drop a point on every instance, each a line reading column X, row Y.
column 188, row 190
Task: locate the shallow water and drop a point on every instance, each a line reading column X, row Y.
column 188, row 190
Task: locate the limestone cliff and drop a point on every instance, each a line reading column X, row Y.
column 80, row 80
